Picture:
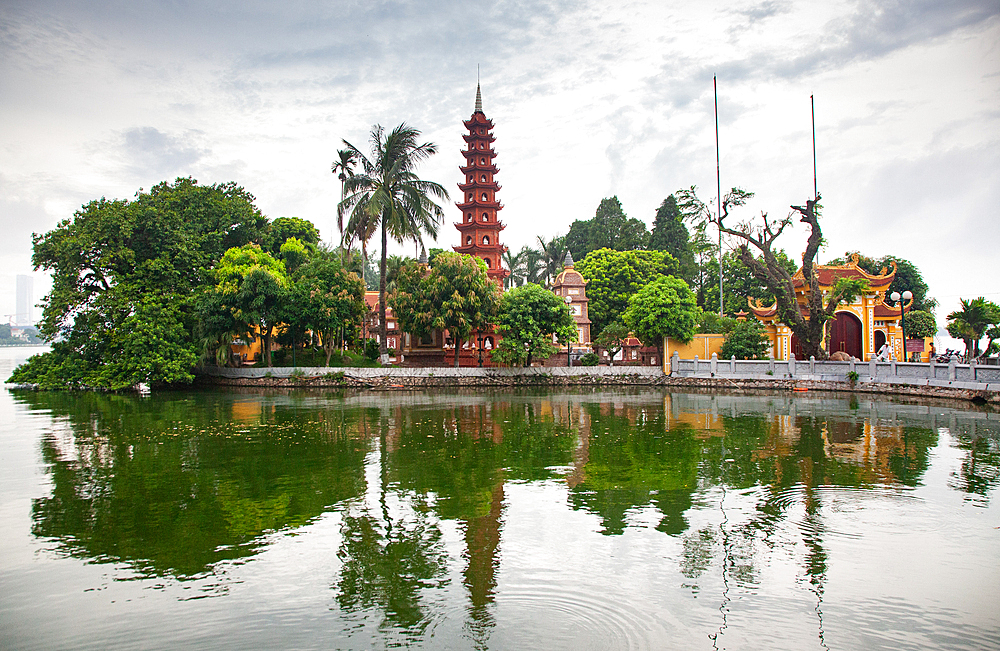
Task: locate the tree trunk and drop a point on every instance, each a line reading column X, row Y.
column 266, row 336
column 382, row 348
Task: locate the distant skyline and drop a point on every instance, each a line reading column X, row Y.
column 589, row 99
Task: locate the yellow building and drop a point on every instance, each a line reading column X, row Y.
column 859, row 328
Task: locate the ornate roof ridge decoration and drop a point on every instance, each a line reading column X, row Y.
column 827, row 274
column 760, row 310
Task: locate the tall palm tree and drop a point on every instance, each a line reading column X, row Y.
column 553, row 253
column 343, row 167
column 971, row 322
column 387, row 194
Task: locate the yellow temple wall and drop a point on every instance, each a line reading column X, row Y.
column 702, row 345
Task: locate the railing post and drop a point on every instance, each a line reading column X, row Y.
column 696, row 365
column 791, row 365
column 892, row 366
column 972, row 368
column 872, row 368
column 675, row 363
column 852, row 364
column 952, row 364
column 714, row 365
column 770, row 364
column 932, row 371
column 732, row 365
column 812, row 365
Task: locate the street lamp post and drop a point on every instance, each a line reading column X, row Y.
column 907, row 295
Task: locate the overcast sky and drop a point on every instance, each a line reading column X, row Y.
column 590, row 99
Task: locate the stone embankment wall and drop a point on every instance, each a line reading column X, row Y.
column 952, row 380
column 729, row 375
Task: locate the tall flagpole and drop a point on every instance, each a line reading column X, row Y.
column 718, row 183
column 812, row 111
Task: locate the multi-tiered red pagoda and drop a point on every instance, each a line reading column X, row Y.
column 480, row 228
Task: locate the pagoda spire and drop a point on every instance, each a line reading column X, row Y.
column 479, row 230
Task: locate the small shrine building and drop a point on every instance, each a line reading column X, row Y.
column 572, row 288
column 860, row 328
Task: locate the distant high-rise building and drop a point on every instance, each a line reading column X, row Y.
column 25, row 304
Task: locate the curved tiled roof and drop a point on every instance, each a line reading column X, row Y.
column 827, row 275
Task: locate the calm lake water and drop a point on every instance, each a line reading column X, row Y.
column 610, row 519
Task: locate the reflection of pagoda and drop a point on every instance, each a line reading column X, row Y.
column 480, row 228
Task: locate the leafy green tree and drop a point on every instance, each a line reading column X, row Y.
column 610, row 228
column 920, row 323
column 671, row 235
column 971, row 323
column 328, row 300
column 456, row 294
column 746, row 340
column 666, row 307
column 612, row 339
column 118, row 260
column 614, row 276
column 253, row 286
column 387, row 193
column 433, row 253
column 281, row 229
column 529, row 316
column 711, row 323
column 293, row 253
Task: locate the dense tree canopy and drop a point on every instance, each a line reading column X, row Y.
column 666, row 307
column 746, row 340
column 118, row 263
column 455, row 294
column 253, row 287
column 671, row 235
column 529, row 316
column 614, row 276
column 610, row 228
column 920, row 323
column 282, row 228
column 327, row 300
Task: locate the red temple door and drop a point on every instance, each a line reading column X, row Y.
column 846, row 334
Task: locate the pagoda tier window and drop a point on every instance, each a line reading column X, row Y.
column 483, row 178
column 468, row 217
column 468, row 239
column 488, row 265
column 482, row 161
column 486, row 197
column 486, row 240
column 486, row 217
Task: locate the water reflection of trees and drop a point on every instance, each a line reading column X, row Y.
column 175, row 484
column 979, row 471
column 459, row 459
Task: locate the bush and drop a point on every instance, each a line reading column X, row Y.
column 745, row 341
column 371, row 350
column 590, row 359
